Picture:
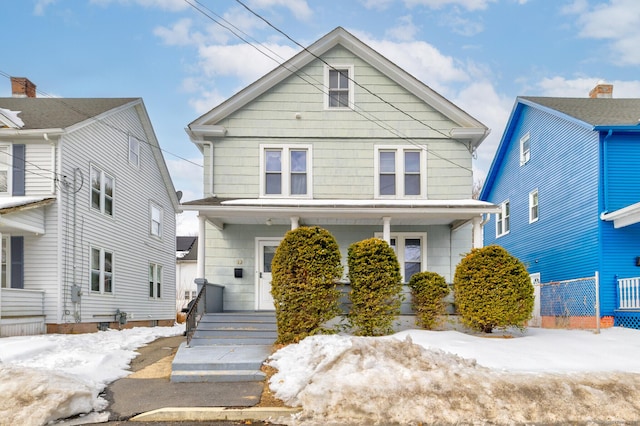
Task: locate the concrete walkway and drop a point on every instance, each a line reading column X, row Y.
column 147, row 395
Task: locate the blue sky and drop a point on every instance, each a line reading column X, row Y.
column 480, row 54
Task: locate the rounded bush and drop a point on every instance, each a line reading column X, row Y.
column 305, row 269
column 376, row 287
column 492, row 290
column 428, row 290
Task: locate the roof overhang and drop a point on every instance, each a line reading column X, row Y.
column 623, row 217
column 32, row 133
column 23, row 214
column 339, row 212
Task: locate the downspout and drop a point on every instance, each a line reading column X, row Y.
column 201, row 246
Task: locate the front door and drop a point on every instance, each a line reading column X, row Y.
column 266, row 250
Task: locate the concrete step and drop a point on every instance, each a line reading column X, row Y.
column 234, row 332
column 235, row 341
column 211, row 376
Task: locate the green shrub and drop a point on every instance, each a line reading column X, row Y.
column 304, row 271
column 492, row 290
column 428, row 291
column 376, row 287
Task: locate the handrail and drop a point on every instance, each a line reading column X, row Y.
column 193, row 318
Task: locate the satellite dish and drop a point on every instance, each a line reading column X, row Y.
column 179, row 195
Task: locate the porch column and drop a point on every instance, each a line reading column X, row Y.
column 477, row 232
column 295, row 222
column 201, row 245
column 386, row 229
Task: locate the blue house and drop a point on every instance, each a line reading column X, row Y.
column 566, row 175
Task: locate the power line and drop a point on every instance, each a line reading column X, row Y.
column 320, row 85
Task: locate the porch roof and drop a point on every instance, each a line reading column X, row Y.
column 13, row 216
column 623, row 217
column 280, row 211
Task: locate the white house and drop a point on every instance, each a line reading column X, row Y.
column 87, row 215
column 339, row 137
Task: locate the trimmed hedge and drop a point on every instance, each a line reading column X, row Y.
column 376, row 287
column 428, row 290
column 304, row 272
column 492, row 290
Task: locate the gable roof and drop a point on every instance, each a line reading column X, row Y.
column 186, row 248
column 474, row 129
column 47, row 113
column 593, row 111
column 55, row 116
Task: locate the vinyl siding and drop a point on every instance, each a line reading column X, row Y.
column 126, row 234
column 343, row 141
column 623, row 180
column 235, row 247
column 40, row 169
column 563, row 243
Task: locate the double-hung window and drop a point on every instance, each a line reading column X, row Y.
column 525, row 149
column 400, row 172
column 155, row 281
column 156, row 220
column 411, row 251
column 339, row 86
column 533, row 206
column 5, row 168
column 502, row 220
column 102, row 191
column 134, row 151
column 101, row 270
column 286, row 171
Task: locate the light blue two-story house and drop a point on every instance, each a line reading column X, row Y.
column 339, row 137
column 567, row 180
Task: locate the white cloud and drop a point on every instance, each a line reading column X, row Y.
column 617, row 21
column 438, row 4
column 405, row 30
column 41, row 5
column 580, row 87
column 179, row 34
column 299, row 8
column 234, row 60
column 170, row 5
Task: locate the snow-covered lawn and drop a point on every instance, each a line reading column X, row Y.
column 54, row 376
column 543, row 376
column 447, row 377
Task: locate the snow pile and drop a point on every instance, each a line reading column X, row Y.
column 54, row 376
column 343, row 380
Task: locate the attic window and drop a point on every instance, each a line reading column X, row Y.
column 339, row 86
column 525, row 149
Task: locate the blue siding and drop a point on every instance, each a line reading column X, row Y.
column 563, row 243
column 620, row 247
column 622, row 164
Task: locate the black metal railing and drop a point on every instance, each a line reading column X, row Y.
column 195, row 313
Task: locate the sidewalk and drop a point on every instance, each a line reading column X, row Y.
column 147, row 394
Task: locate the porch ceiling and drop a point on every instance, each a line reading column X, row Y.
column 23, row 214
column 339, row 212
column 623, row 217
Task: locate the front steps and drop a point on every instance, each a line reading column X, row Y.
column 226, row 347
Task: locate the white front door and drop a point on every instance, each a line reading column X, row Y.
column 266, row 250
column 536, row 319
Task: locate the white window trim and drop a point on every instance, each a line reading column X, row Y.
column 155, row 267
column 103, row 194
column 503, row 208
column 531, row 218
column 525, row 156
column 136, row 144
column 286, row 170
column 8, row 167
column 6, row 240
column 402, row 236
column 151, row 221
column 400, row 149
column 102, row 271
column 350, row 69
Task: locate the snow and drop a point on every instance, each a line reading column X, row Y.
column 448, row 377
column 433, row 377
column 12, row 116
column 48, row 377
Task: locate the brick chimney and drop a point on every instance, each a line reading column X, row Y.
column 602, row 90
column 22, row 87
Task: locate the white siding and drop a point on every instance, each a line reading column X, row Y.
column 40, row 168
column 105, row 144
